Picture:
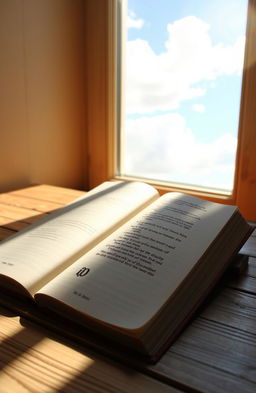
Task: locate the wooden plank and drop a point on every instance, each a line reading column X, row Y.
column 20, row 214
column 246, row 282
column 252, row 267
column 196, row 376
column 234, row 309
column 28, row 203
column 8, row 223
column 211, row 357
column 216, row 352
column 53, row 194
column 32, row 362
column 22, row 207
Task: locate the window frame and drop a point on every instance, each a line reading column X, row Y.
column 103, row 37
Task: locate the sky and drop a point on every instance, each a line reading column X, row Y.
column 183, row 69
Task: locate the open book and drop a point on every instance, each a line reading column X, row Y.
column 123, row 262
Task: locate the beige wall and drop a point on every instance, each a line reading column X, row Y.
column 42, row 90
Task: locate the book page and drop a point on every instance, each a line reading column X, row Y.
column 127, row 278
column 38, row 253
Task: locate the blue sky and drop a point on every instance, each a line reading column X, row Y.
column 203, row 101
column 158, row 13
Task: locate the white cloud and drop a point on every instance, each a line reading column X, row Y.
column 198, row 108
column 163, row 146
column 161, row 82
column 133, row 21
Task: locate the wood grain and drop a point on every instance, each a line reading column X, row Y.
column 32, row 362
column 218, row 348
column 46, row 193
column 17, row 200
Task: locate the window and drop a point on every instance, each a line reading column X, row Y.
column 103, row 111
column 183, row 67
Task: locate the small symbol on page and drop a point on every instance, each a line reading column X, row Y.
column 82, row 272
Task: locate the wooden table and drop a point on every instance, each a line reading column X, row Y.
column 215, row 353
